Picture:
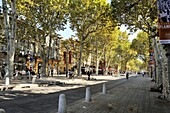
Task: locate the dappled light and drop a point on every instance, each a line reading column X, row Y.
column 53, row 47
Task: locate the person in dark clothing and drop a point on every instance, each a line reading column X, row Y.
column 3, row 72
column 127, row 75
column 88, row 73
column 143, row 74
column 32, row 73
column 70, row 74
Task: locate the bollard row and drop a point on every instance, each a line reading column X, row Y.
column 62, row 108
column 88, row 95
column 2, row 111
column 62, row 104
column 104, row 89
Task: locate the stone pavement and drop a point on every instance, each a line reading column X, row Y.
column 132, row 96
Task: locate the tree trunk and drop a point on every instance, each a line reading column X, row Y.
column 158, row 64
column 107, row 65
column 153, row 68
column 67, row 49
column 80, row 57
column 97, row 59
column 44, row 58
column 105, row 72
column 36, row 48
column 58, row 70
column 48, row 54
column 6, row 24
column 44, row 61
column 97, row 65
column 13, row 36
column 58, row 56
column 168, row 61
column 165, row 76
column 10, row 38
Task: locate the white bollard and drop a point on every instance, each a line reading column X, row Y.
column 88, row 95
column 6, row 81
column 62, row 104
column 104, row 89
column 2, row 111
column 33, row 79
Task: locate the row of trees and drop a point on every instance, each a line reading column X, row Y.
column 142, row 15
column 92, row 20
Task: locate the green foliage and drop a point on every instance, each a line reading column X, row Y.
column 141, row 46
column 135, row 65
column 137, row 14
column 41, row 18
column 47, row 15
column 123, row 51
column 92, row 21
column 87, row 16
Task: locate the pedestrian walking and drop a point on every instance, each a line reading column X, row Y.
column 88, row 73
column 3, row 72
column 143, row 74
column 127, row 75
column 49, row 70
column 28, row 74
column 70, row 74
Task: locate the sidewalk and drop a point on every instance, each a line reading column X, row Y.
column 131, row 97
column 40, row 85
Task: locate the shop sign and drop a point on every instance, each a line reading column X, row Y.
column 164, row 21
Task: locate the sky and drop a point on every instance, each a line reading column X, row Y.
column 132, row 35
column 108, row 1
column 67, row 33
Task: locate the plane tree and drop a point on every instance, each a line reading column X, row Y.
column 141, row 45
column 86, row 17
column 2, row 34
column 142, row 14
column 45, row 18
column 9, row 17
column 105, row 47
column 136, row 14
column 123, row 50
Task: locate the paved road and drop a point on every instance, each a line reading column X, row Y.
column 21, row 102
column 133, row 96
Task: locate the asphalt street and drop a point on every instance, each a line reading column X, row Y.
column 27, row 102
